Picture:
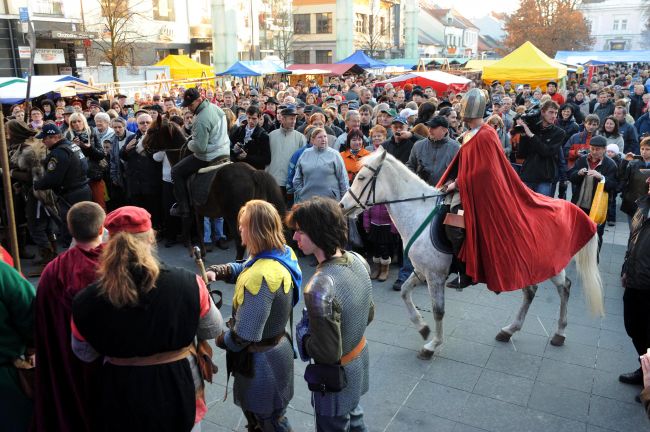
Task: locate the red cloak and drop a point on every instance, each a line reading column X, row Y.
column 514, row 237
column 65, row 386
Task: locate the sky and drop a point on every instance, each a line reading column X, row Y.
column 479, row 8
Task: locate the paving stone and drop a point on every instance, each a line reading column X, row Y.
column 403, row 360
column 573, row 353
column 616, row 415
column 617, row 362
column 566, row 375
column 452, row 373
column 606, row 384
column 615, row 341
column 504, row 387
column 408, row 419
column 466, row 351
column 559, row 401
column 460, row 427
column 514, row 363
column 437, row 399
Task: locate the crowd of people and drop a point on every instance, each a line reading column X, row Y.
column 73, row 161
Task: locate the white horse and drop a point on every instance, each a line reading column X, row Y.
column 385, row 180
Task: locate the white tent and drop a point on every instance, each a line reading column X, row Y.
column 65, row 85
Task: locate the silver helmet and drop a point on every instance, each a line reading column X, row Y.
column 473, row 104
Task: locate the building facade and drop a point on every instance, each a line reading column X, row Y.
column 615, row 24
column 452, row 34
column 375, row 28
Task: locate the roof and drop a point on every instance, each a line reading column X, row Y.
column 326, row 69
column 361, row 59
column 65, row 85
column 440, row 13
column 582, row 57
column 425, row 38
column 487, row 43
column 183, row 67
column 440, row 81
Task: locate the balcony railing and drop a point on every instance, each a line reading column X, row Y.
column 47, row 7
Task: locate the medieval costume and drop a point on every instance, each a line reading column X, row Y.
column 514, row 237
column 339, row 308
column 16, row 335
column 259, row 352
column 65, row 386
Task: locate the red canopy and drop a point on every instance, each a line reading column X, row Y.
column 440, row 81
column 329, row 68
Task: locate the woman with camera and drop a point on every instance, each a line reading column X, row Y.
column 259, row 353
column 81, row 134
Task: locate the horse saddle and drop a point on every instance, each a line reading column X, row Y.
column 199, row 184
column 437, row 228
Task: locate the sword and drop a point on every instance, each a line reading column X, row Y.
column 204, row 275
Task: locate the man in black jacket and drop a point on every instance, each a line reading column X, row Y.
column 541, row 149
column 250, row 142
column 636, row 280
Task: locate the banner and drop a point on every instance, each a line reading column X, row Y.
column 49, row 56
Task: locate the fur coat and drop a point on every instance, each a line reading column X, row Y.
column 27, row 167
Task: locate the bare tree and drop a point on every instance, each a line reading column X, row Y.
column 374, row 40
column 283, row 35
column 119, row 19
column 645, row 16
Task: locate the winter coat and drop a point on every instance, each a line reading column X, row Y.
column 541, row 154
column 209, row 133
column 377, row 215
column 636, row 267
column 117, row 165
column 632, row 184
column 570, row 128
column 95, row 153
column 642, row 125
column 258, row 149
column 576, row 143
column 604, row 111
column 607, row 168
column 143, row 174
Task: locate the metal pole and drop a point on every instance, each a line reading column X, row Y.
column 9, row 199
column 32, row 46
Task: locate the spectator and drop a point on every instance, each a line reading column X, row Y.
column 541, row 150
column 566, row 121
column 320, row 171
column 355, row 151
column 579, row 142
column 497, row 123
column 377, row 137
column 250, row 142
column 627, row 131
column 633, row 181
column 604, row 107
column 610, row 131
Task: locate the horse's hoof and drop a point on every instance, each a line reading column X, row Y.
column 425, row 354
column 503, row 336
column 425, row 332
column 557, row 340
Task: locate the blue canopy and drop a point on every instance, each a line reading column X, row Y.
column 250, row 68
column 361, row 59
column 582, row 57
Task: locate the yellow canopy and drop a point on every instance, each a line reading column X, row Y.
column 478, row 65
column 525, row 65
column 183, row 67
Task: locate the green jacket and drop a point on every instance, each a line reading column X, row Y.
column 209, row 132
column 16, row 314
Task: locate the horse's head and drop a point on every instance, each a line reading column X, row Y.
column 366, row 189
column 163, row 134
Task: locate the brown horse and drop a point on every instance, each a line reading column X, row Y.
column 233, row 185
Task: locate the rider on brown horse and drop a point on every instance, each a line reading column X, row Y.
column 208, row 142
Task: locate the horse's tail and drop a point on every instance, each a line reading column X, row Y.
column 267, row 188
column 587, row 263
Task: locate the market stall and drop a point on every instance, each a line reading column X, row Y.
column 318, row 72
column 182, row 67
column 46, row 85
column 441, row 82
column 525, row 65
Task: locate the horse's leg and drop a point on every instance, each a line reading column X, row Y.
column 563, row 285
column 506, row 332
column 436, row 286
column 414, row 315
column 186, row 233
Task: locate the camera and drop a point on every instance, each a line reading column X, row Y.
column 531, row 117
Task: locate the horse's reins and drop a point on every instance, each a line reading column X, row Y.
column 372, row 184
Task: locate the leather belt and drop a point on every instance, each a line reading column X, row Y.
column 266, row 344
column 152, row 360
column 356, row 351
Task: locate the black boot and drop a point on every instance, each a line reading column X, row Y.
column 460, row 282
column 635, row 378
column 22, row 244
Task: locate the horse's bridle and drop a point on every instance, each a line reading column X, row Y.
column 372, row 184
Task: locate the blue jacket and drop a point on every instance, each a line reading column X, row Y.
column 642, row 124
column 628, row 132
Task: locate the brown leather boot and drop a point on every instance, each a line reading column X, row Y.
column 374, row 268
column 384, row 269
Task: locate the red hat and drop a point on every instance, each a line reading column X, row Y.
column 129, row 219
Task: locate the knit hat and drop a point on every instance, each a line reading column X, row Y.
column 613, row 147
column 598, row 141
column 129, row 219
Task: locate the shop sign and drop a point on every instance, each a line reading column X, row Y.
column 70, row 35
column 49, row 56
column 24, row 52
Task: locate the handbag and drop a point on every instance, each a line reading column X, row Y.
column 26, row 375
column 325, row 378
column 598, row 210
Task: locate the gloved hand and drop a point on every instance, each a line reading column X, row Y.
column 219, row 272
column 302, row 330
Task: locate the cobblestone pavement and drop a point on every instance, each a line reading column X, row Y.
column 475, row 383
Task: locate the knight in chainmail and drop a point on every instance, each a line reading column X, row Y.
column 339, row 307
column 259, row 353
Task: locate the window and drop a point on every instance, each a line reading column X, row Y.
column 301, row 24
column 615, row 26
column 301, row 57
column 361, row 23
column 323, row 56
column 163, row 10
column 624, row 24
column 114, row 8
column 48, row 7
column 382, row 26
column 323, row 23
